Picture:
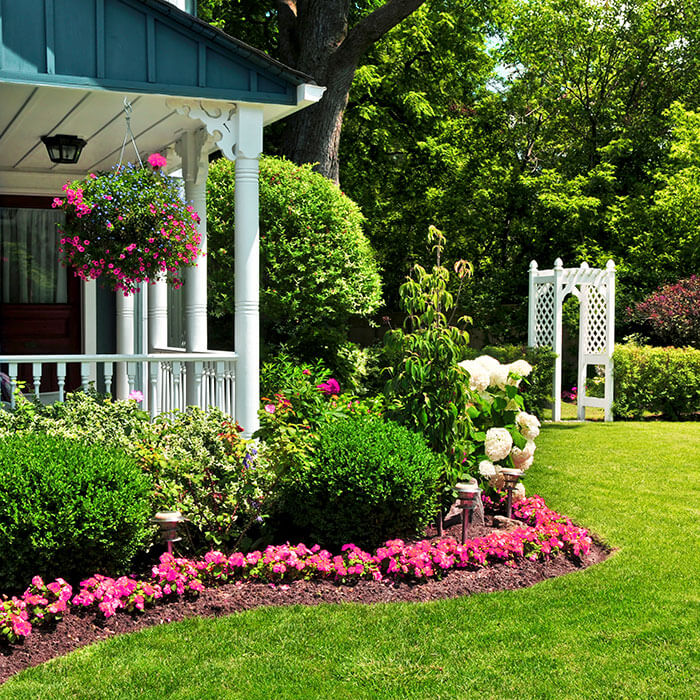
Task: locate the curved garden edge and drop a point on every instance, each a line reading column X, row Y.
column 83, row 626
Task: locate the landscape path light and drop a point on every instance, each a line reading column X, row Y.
column 168, row 521
column 511, row 477
column 468, row 494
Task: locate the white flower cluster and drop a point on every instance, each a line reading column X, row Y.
column 487, row 371
column 479, row 377
column 528, row 424
column 498, row 443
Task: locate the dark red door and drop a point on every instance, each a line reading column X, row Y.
column 36, row 328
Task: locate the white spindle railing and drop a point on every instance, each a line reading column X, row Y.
column 160, row 376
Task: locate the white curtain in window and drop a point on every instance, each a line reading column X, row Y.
column 30, row 272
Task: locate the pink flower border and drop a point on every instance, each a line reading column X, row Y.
column 543, row 535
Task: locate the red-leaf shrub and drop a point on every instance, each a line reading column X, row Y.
column 672, row 313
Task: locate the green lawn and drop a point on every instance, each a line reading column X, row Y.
column 628, row 628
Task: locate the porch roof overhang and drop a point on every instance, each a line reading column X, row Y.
column 67, row 65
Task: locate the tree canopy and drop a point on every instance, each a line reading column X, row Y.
column 527, row 129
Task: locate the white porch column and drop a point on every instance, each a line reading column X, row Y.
column 125, row 340
column 157, row 315
column 195, row 165
column 248, row 122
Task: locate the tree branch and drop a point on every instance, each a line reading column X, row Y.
column 373, row 27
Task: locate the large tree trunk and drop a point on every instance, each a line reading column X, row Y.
column 314, row 38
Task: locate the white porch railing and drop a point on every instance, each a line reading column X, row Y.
column 162, row 377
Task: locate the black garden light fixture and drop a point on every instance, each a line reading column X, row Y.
column 63, row 148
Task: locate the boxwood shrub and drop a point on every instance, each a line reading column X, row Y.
column 665, row 381
column 68, row 508
column 371, row 480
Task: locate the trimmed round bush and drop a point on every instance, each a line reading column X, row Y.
column 371, row 480
column 317, row 267
column 68, row 509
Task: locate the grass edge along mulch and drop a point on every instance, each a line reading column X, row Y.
column 624, row 629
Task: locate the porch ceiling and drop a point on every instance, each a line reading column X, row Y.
column 27, row 112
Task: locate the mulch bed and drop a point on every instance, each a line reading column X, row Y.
column 81, row 628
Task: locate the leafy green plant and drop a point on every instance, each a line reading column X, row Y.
column 370, row 480
column 657, row 380
column 201, row 466
column 198, row 462
column 299, row 399
column 68, row 508
column 318, row 269
column 426, row 387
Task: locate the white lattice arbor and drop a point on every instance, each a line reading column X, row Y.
column 595, row 290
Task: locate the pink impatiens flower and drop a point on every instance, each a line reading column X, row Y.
column 136, row 396
column 156, row 160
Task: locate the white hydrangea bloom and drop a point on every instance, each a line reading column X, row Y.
column 478, row 376
column 498, row 481
column 524, row 466
column 498, row 443
column 487, row 362
column 521, row 367
column 524, row 456
column 499, row 377
column 528, row 424
column 487, row 469
column 518, row 493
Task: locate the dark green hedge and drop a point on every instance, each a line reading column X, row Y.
column 371, row 480
column 317, row 267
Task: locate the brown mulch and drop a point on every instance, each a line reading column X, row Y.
column 81, row 628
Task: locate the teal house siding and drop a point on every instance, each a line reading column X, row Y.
column 144, row 46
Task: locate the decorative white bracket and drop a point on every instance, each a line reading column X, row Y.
column 595, row 289
column 217, row 118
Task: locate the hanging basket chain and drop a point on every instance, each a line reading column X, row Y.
column 128, row 134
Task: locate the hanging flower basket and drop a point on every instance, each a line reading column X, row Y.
column 128, row 226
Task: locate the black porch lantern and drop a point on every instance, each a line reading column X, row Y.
column 63, row 148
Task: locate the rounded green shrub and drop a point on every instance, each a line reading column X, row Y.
column 68, row 508
column 371, row 480
column 317, row 267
